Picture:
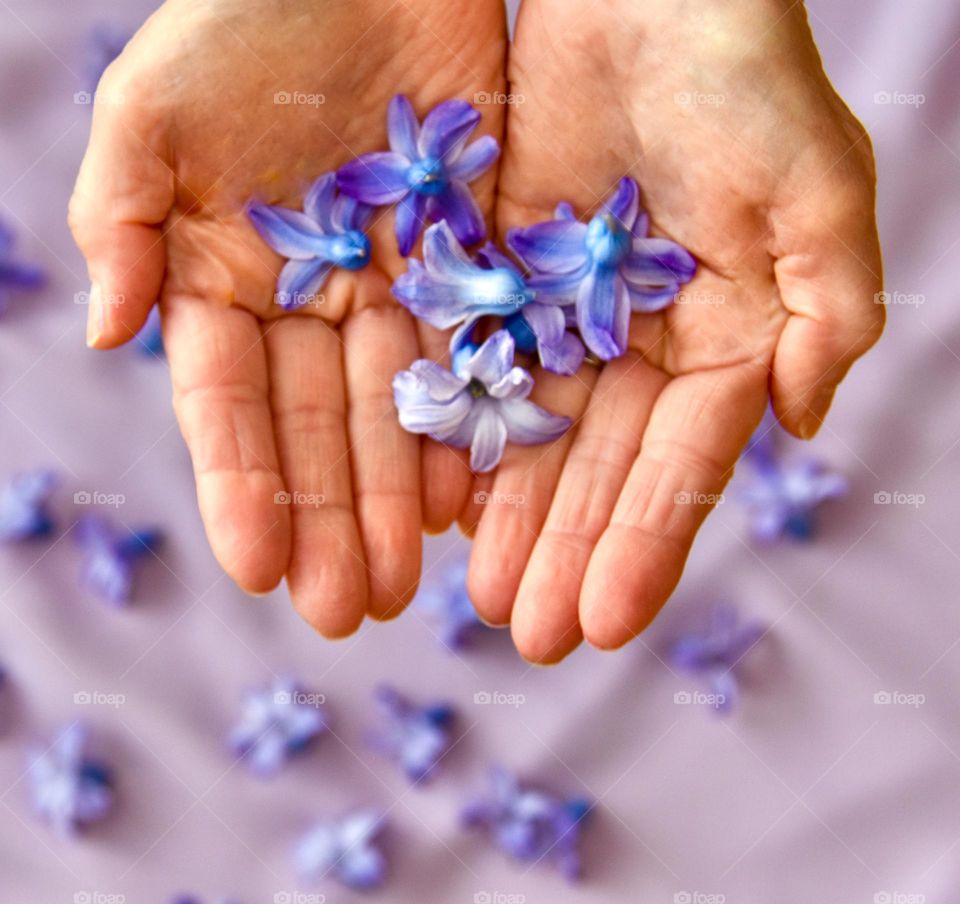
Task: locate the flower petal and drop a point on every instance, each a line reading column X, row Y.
column 565, row 358
column 489, row 438
column 603, row 313
column 377, row 178
column 516, row 384
column 650, row 300
column 319, row 200
column 459, row 208
column 529, row 425
column 558, row 288
column 475, row 160
column 439, row 382
column 446, row 129
column 658, row 262
column 492, row 361
column 349, row 214
column 564, row 211
column 300, row 282
column 402, row 127
column 419, row 413
column 411, row 214
column 555, row 246
column 289, row 232
column 444, row 255
column 493, row 258
column 624, row 204
column 428, row 298
column 546, row 321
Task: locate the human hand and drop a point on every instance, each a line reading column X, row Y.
column 217, row 102
column 746, row 156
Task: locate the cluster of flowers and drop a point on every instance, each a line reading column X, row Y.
column 570, row 291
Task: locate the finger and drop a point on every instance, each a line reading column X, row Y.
column 123, row 194
column 327, row 576
column 474, row 505
column 379, row 341
column 698, row 426
column 218, row 367
column 516, row 505
column 830, row 280
column 545, row 621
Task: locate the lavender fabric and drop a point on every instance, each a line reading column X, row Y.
column 808, row 791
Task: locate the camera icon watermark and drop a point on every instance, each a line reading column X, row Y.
column 95, row 497
column 290, row 300
column 298, row 99
column 698, row 897
column 699, row 698
column 299, row 897
column 299, row 698
column 899, row 698
column 488, row 497
column 498, row 897
column 99, row 698
column 311, row 500
column 98, row 897
column 895, row 497
column 499, row 698
column 108, row 299
column 698, row 99
column 685, row 497
column 899, row 897
column 899, row 99
column 498, row 98
column 905, row 299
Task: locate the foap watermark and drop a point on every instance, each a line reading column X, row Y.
column 685, row 497
column 906, row 299
column 899, row 698
column 899, row 99
column 99, row 698
column 699, row 99
column 698, row 897
column 313, row 500
column 493, row 497
column 700, row 298
column 95, row 497
column 498, row 897
column 105, row 298
column 290, row 300
column 498, row 698
column 299, row 897
column 699, row 698
column 498, row 98
column 299, row 99
column 98, row 897
column 895, row 497
column 899, row 897
column 101, row 96
column 299, row 698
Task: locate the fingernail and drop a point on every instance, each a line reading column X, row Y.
column 96, row 316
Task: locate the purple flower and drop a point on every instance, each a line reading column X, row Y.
column 426, row 171
column 415, row 737
column 104, row 45
column 278, row 722
column 345, row 850
column 529, row 824
column 480, row 405
column 328, row 234
column 70, row 788
column 782, row 498
column 110, row 556
column 15, row 277
column 23, row 506
column 448, row 607
column 150, row 337
column 448, row 289
column 605, row 267
column 715, row 651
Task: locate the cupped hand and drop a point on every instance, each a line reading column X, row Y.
column 301, row 466
column 747, row 157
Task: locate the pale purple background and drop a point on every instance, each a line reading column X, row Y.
column 811, row 792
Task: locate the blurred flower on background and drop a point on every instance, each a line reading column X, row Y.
column 15, row 277
column 714, row 652
column 150, row 337
column 529, row 824
column 414, row 737
column 24, row 501
column 446, row 605
column 71, row 789
column 345, row 850
column 276, row 723
column 110, row 556
column 104, row 44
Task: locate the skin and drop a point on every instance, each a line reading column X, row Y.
column 744, row 154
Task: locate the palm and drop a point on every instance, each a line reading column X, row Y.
column 301, row 467
column 609, row 515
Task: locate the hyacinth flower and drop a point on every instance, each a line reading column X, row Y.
column 715, row 651
column 426, row 172
column 344, row 849
column 278, row 722
column 414, row 737
column 104, row 45
column 24, row 510
column 71, row 789
column 606, row 267
column 448, row 608
column 327, row 234
column 150, row 337
column 14, row 276
column 110, row 556
column 479, row 405
column 450, row 290
column 529, row 824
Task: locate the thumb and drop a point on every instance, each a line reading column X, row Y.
column 123, row 194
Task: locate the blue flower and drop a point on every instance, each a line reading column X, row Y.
column 150, row 337
column 345, row 850
column 605, row 267
column 104, row 45
column 448, row 607
column 415, row 737
column 329, row 233
column 529, row 824
column 480, row 405
column 23, row 506
column 277, row 723
column 70, row 788
column 15, row 277
column 426, row 171
column 715, row 651
column 110, row 556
